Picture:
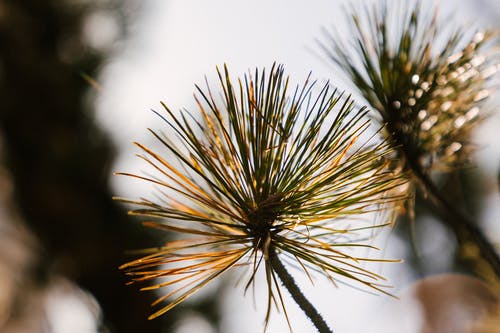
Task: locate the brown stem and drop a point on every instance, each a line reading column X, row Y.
column 297, row 294
column 459, row 221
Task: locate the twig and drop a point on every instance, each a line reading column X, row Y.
column 458, row 220
column 297, row 294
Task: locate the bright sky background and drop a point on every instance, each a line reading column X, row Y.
column 173, row 45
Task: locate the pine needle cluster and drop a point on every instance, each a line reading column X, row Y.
column 269, row 173
column 426, row 82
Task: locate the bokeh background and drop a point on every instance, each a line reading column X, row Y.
column 78, row 79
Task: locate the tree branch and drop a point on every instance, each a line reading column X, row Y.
column 459, row 222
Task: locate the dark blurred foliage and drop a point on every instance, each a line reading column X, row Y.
column 59, row 160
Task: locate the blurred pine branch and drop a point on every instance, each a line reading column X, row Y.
column 428, row 83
